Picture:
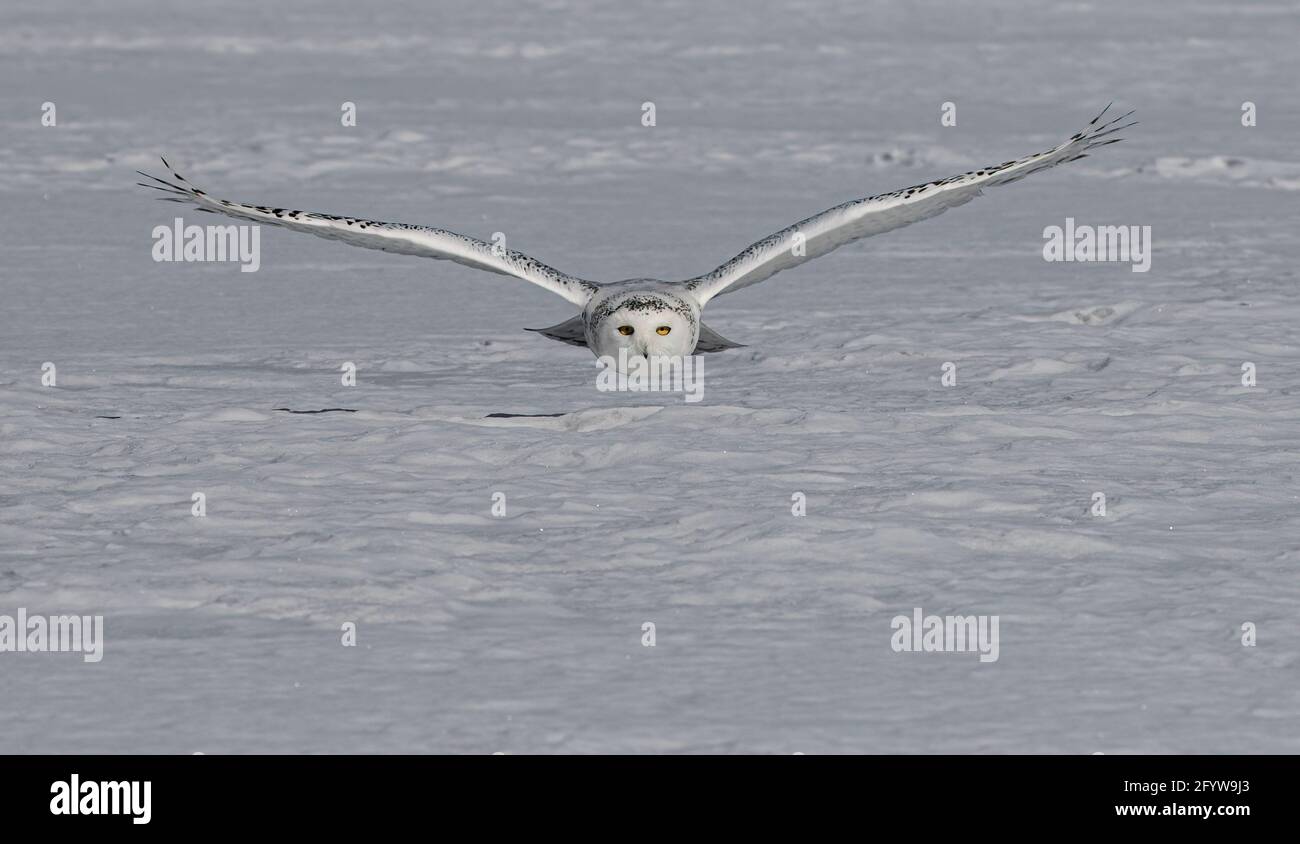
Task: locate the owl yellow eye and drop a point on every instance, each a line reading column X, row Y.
column 662, row 330
column 625, row 330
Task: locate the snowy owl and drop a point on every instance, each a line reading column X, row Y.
column 649, row 317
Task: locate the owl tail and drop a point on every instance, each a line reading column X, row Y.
column 712, row 341
column 571, row 331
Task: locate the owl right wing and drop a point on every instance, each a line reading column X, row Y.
column 402, row 238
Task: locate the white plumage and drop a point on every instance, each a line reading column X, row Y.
column 648, row 316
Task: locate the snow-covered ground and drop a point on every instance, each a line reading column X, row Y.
column 523, row 634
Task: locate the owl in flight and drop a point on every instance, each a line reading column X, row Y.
column 646, row 316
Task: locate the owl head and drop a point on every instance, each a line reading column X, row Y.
column 646, row 324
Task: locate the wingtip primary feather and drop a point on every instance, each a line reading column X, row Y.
column 1095, row 130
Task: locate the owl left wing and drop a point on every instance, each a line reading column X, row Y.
column 831, row 229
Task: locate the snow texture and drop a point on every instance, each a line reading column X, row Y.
column 522, row 634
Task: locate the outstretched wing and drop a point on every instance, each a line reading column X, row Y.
column 831, row 229
column 389, row 237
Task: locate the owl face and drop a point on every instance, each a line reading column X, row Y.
column 646, row 324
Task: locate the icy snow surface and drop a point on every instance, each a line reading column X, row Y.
column 523, row 634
